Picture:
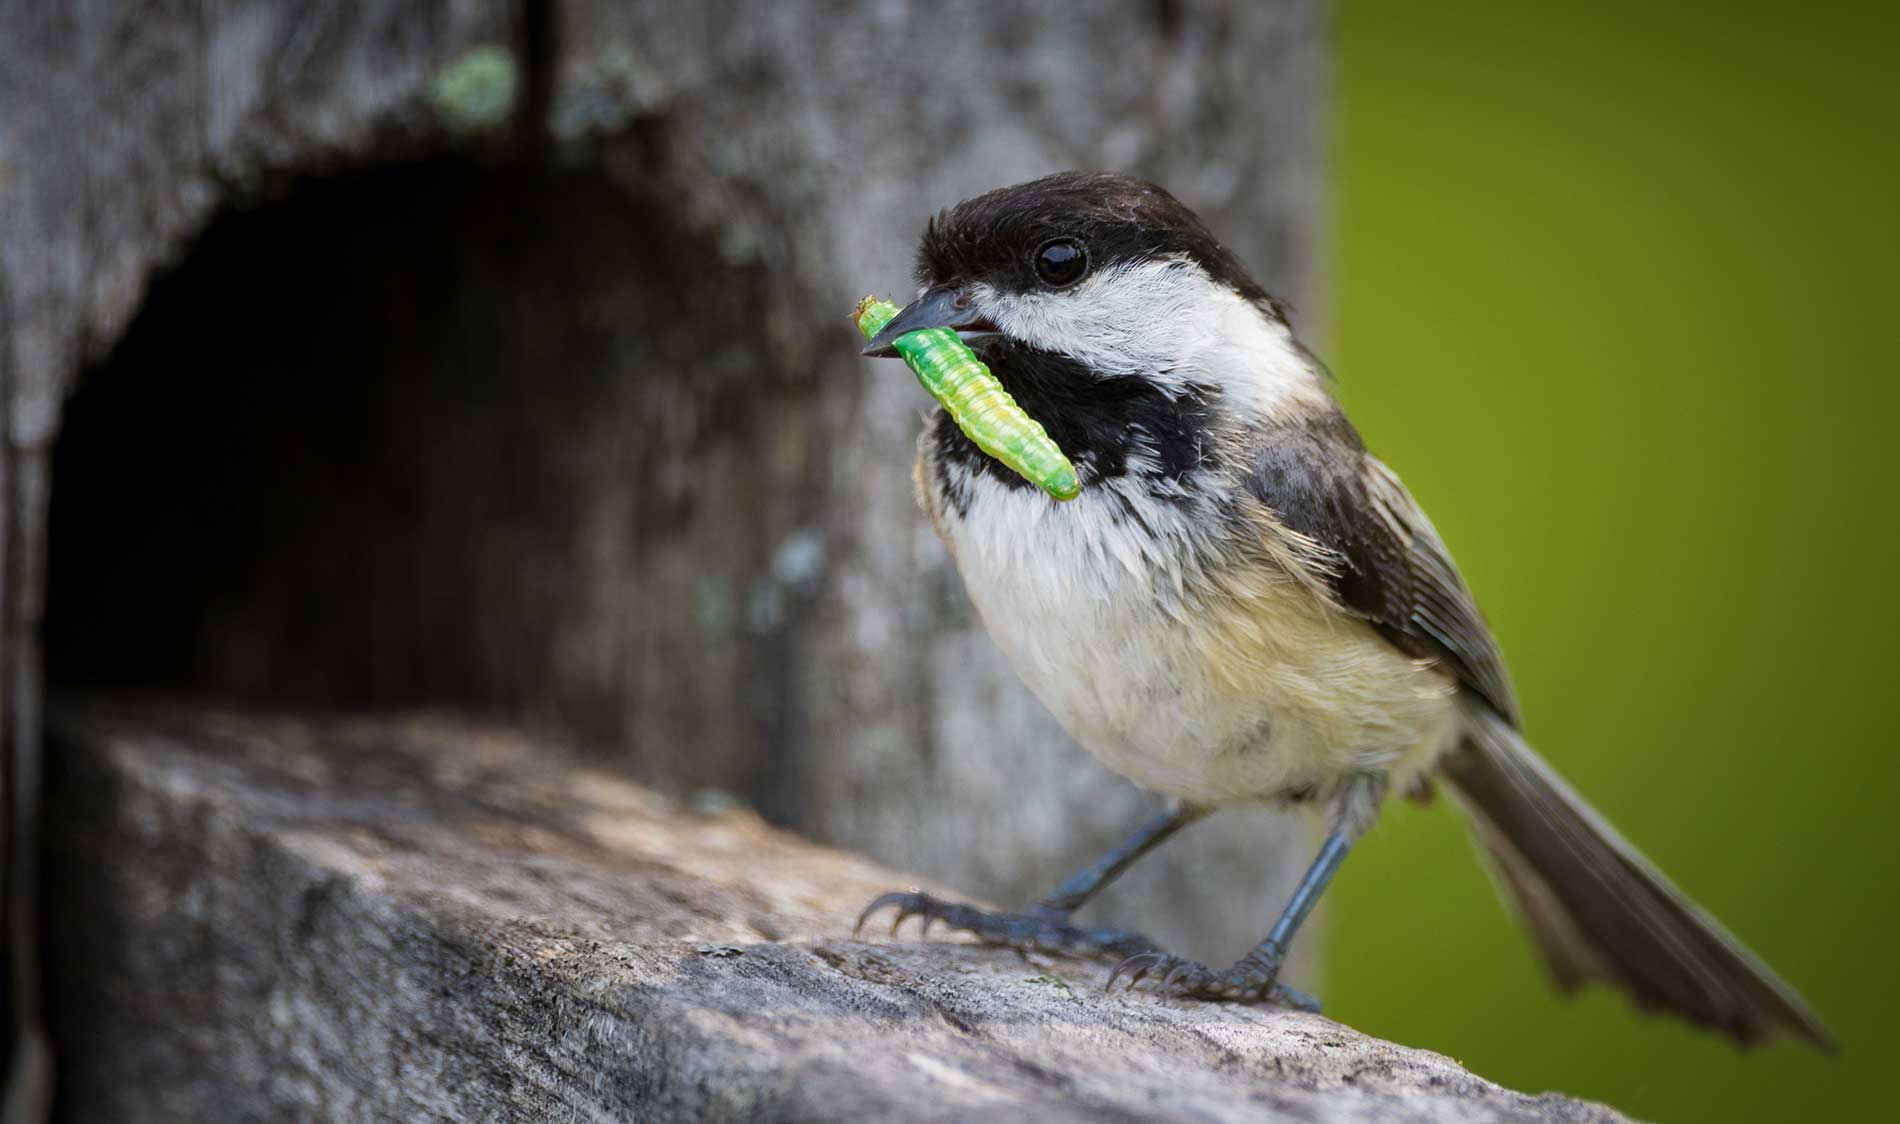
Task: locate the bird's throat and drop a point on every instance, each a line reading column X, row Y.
column 1111, row 427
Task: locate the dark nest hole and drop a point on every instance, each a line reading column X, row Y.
column 492, row 438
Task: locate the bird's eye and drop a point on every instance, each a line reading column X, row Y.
column 1061, row 262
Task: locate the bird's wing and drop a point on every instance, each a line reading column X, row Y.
column 1386, row 562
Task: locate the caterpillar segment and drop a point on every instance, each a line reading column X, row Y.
column 976, row 401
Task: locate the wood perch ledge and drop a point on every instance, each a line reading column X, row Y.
column 268, row 918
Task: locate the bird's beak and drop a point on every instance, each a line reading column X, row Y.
column 943, row 307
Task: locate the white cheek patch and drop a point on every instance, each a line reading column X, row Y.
column 1166, row 321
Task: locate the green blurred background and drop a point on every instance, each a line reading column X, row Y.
column 1613, row 291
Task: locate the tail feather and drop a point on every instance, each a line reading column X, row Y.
column 1600, row 911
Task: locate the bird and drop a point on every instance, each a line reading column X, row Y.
column 1245, row 607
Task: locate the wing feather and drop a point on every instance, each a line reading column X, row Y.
column 1388, row 564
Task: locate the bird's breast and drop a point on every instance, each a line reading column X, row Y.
column 1169, row 648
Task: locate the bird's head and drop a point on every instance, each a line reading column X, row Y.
column 1113, row 277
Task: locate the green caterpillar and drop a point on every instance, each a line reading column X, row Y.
column 977, row 402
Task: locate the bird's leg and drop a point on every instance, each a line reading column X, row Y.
column 1045, row 926
column 1256, row 976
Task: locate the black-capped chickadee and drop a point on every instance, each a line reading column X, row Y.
column 1244, row 606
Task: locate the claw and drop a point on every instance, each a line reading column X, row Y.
column 1296, row 999
column 1139, row 964
column 1185, row 967
column 895, row 897
column 1039, row 928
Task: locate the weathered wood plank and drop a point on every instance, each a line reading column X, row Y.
column 277, row 919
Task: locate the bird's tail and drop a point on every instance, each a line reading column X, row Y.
column 1599, row 910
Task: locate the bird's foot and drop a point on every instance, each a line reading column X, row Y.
column 1040, row 928
column 1253, row 980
